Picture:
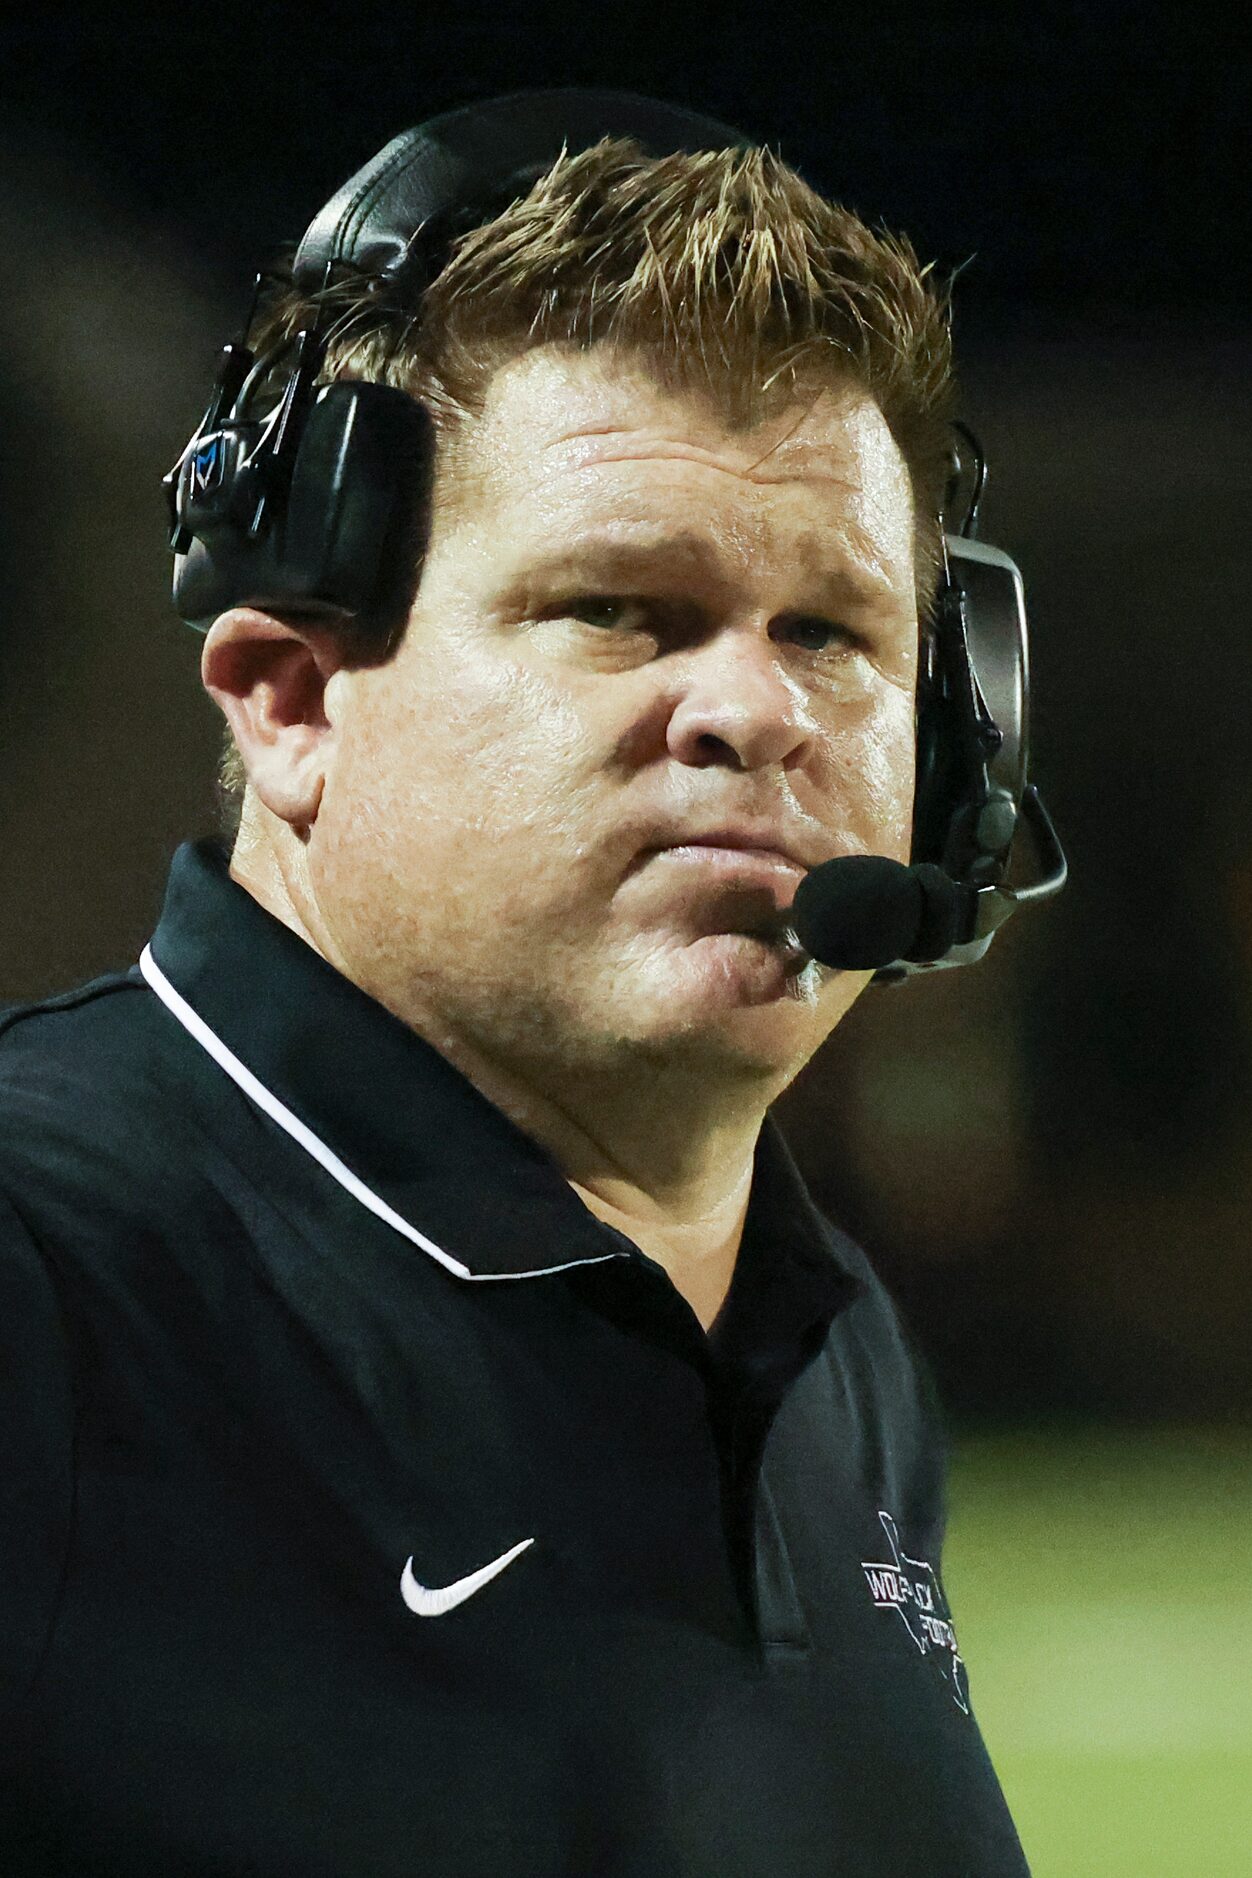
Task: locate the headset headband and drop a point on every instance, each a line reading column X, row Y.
column 393, row 218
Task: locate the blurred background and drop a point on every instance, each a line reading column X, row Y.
column 1049, row 1156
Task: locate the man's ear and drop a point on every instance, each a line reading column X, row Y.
column 269, row 679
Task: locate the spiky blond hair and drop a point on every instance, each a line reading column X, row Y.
column 722, row 271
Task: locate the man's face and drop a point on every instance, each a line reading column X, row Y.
column 635, row 634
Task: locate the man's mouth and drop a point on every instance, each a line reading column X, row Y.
column 747, row 835
column 756, row 871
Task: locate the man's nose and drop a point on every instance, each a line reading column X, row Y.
column 737, row 706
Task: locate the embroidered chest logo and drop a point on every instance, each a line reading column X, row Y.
column 438, row 1600
column 911, row 1587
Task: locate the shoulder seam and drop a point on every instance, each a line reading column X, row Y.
column 13, row 1014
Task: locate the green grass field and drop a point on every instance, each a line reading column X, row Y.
column 1101, row 1585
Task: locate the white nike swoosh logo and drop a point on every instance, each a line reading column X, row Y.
column 433, row 1601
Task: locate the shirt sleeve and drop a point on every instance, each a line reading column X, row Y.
column 36, row 1454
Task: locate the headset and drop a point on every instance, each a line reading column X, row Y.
column 313, row 506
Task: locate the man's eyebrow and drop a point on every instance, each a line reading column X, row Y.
column 609, row 553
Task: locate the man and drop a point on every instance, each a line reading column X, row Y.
column 447, row 1439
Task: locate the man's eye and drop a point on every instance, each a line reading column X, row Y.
column 602, row 609
column 817, row 635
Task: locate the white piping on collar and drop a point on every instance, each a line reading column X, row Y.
column 278, row 1112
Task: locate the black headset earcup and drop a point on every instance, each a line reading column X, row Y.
column 345, row 537
column 357, row 514
column 981, row 605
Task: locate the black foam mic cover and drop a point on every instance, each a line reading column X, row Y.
column 863, row 911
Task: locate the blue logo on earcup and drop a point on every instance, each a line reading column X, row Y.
column 207, row 465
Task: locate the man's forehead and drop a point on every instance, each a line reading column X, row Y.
column 576, row 451
column 563, row 411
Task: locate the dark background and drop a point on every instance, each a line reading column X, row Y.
column 1050, row 1154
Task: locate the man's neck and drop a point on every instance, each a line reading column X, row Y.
column 654, row 1158
column 699, row 1249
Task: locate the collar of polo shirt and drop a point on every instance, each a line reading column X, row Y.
column 393, row 1121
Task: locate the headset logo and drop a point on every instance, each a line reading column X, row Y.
column 207, row 466
column 911, row 1587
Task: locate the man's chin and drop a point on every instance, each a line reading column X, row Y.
column 730, row 999
column 737, row 970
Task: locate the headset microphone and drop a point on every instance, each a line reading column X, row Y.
column 863, row 911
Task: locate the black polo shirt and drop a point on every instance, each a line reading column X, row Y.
column 371, row 1508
